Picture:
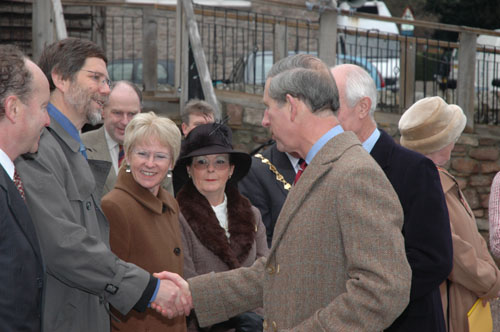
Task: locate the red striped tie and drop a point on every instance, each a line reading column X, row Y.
column 121, row 155
column 19, row 184
column 302, row 167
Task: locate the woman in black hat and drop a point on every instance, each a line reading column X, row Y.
column 220, row 228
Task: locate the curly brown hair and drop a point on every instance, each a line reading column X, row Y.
column 15, row 78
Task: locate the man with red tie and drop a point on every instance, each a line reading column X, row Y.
column 24, row 95
column 106, row 143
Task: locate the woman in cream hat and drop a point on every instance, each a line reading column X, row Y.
column 431, row 127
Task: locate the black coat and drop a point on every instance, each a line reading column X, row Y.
column 426, row 230
column 262, row 188
column 21, row 272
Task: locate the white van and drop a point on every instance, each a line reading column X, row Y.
column 366, row 38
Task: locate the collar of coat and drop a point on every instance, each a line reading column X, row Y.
column 201, row 218
column 158, row 204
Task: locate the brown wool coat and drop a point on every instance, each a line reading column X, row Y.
column 474, row 273
column 337, row 262
column 144, row 230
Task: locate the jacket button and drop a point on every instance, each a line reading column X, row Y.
column 177, row 251
column 89, row 205
column 270, row 269
column 264, row 325
column 39, row 282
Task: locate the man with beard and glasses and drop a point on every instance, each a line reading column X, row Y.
column 83, row 276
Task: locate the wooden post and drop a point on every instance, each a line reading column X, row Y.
column 181, row 57
column 466, row 76
column 280, row 39
column 149, row 50
column 407, row 73
column 44, row 33
column 199, row 57
column 328, row 37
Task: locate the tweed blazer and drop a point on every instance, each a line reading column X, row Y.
column 337, row 262
column 97, row 148
column 21, row 275
column 83, row 275
column 426, row 230
column 262, row 188
column 144, row 230
column 474, row 274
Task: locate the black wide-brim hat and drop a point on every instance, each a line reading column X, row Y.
column 211, row 138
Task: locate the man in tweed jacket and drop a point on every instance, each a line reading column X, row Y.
column 337, row 262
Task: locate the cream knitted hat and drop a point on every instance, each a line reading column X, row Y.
column 431, row 124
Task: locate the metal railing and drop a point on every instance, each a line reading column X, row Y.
column 241, row 46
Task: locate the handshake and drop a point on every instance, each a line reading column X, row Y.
column 173, row 298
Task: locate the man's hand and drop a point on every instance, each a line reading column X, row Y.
column 173, row 298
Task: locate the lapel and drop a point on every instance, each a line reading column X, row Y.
column 20, row 212
column 101, row 147
column 282, row 163
column 383, row 149
column 319, row 166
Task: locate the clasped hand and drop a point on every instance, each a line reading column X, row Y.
column 173, row 298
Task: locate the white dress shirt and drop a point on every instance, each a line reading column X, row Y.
column 7, row 164
column 221, row 214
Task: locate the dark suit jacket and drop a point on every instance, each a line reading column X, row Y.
column 262, row 188
column 21, row 272
column 426, row 230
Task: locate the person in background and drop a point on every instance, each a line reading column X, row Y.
column 144, row 217
column 196, row 112
column 494, row 216
column 426, row 227
column 106, row 143
column 267, row 184
column 431, row 127
column 24, row 95
column 221, row 230
column 83, row 276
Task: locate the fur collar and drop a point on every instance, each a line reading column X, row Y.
column 202, row 220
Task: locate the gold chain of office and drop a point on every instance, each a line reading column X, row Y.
column 273, row 169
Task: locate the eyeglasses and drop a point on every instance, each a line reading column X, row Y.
column 157, row 156
column 99, row 78
column 202, row 163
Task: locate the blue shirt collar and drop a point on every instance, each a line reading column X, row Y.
column 67, row 125
column 370, row 141
column 322, row 141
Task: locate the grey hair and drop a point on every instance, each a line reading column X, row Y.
column 148, row 125
column 359, row 84
column 305, row 77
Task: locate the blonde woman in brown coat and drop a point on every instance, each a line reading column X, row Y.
column 221, row 229
column 144, row 217
column 432, row 127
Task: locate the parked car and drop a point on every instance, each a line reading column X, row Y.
column 370, row 39
column 258, row 64
column 131, row 70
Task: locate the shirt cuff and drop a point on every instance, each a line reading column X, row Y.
column 154, row 294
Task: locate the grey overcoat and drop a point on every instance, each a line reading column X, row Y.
column 337, row 262
column 74, row 238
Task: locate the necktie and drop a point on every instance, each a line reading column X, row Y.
column 121, row 155
column 19, row 184
column 302, row 167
